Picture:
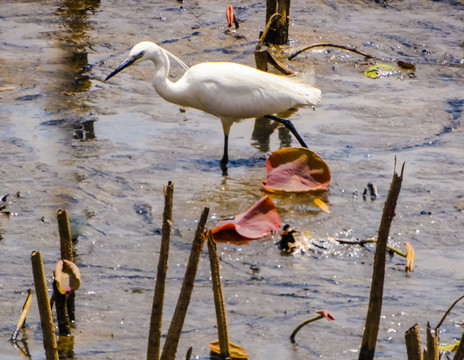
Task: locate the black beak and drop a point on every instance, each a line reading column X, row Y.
column 121, row 67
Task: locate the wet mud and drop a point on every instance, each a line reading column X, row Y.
column 104, row 151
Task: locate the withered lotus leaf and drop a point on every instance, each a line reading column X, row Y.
column 67, row 276
column 296, row 170
column 255, row 223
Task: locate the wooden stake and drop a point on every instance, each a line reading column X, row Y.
column 22, row 318
column 46, row 321
column 413, row 343
column 154, row 336
column 221, row 317
column 62, row 316
column 432, row 344
column 460, row 352
column 65, row 235
column 175, row 329
column 371, row 328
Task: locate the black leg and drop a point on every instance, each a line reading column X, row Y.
column 225, row 157
column 289, row 125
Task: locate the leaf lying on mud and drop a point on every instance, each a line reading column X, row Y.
column 410, row 257
column 296, row 170
column 380, row 70
column 235, row 351
column 255, row 223
column 67, row 276
column 403, row 65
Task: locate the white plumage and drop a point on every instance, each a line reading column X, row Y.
column 227, row 90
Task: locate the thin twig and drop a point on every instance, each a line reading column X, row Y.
column 22, row 318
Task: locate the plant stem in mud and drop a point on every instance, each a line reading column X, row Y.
column 371, row 328
column 154, row 336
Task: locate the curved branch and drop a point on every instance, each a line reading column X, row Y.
column 447, row 312
column 346, row 48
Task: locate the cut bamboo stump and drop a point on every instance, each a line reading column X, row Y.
column 177, row 322
column 221, row 317
column 46, row 320
column 432, row 344
column 64, row 229
column 460, row 352
column 371, row 328
column 413, row 343
column 278, row 34
column 154, row 337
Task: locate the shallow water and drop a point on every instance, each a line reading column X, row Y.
column 104, row 151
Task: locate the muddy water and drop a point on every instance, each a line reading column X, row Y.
column 104, row 151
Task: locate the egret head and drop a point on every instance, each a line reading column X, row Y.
column 141, row 51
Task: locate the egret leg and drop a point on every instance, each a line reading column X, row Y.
column 225, row 157
column 289, row 125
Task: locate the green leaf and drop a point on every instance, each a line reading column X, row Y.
column 451, row 347
column 379, row 70
column 67, row 276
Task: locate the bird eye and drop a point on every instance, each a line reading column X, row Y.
column 139, row 55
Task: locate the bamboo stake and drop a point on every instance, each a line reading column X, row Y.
column 177, row 322
column 64, row 229
column 432, row 344
column 221, row 316
column 66, row 248
column 22, row 318
column 413, row 343
column 371, row 328
column 62, row 315
column 46, row 321
column 460, row 352
column 154, row 336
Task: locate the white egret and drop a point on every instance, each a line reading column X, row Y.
column 227, row 90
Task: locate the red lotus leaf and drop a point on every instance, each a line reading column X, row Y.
column 255, row 223
column 296, row 170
